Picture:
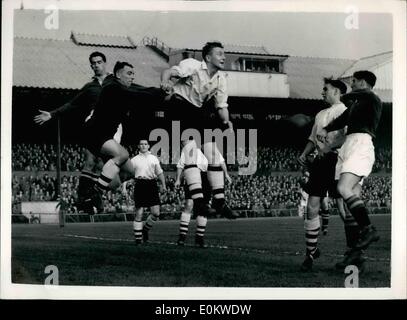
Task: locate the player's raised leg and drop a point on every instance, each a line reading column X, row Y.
column 118, row 158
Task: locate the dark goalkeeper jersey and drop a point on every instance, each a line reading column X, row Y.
column 116, row 101
column 364, row 109
column 84, row 101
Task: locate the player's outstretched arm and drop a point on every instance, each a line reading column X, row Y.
column 338, row 123
column 166, row 76
column 43, row 117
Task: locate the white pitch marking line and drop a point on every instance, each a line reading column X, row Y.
column 213, row 246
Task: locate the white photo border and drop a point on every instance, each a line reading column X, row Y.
column 398, row 254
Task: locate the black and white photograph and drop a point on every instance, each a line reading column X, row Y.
column 203, row 150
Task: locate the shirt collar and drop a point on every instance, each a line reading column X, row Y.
column 336, row 104
column 204, row 66
column 144, row 154
column 95, row 78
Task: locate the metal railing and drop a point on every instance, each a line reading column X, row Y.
column 158, row 44
column 128, row 216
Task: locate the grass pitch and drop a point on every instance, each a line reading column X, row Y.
column 254, row 252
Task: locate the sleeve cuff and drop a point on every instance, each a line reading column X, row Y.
column 222, row 106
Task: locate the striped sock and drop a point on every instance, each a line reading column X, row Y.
column 88, row 175
column 138, row 230
column 151, row 219
column 184, row 223
column 311, row 234
column 201, row 222
column 358, row 210
column 109, row 171
column 351, row 231
column 325, row 220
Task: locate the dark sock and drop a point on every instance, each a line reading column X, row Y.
column 358, row 210
column 218, row 204
column 351, row 231
column 325, row 219
column 200, row 207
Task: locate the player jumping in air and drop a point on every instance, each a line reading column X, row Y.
column 194, row 87
column 356, row 156
column 322, row 169
column 117, row 97
column 85, row 101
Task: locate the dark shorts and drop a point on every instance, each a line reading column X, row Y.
column 94, row 138
column 322, row 177
column 206, row 188
column 191, row 116
column 146, row 193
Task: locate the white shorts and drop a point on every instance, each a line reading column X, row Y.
column 356, row 155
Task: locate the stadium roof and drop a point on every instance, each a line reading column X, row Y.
column 382, row 66
column 369, row 63
column 63, row 64
column 102, row 40
column 305, row 75
column 239, row 49
column 60, row 64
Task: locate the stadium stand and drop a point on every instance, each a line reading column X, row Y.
column 275, row 184
column 42, row 157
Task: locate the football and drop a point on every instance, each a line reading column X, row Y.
column 299, row 120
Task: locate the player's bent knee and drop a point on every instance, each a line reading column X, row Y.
column 89, row 165
column 122, row 157
column 313, row 207
column 189, row 205
column 155, row 210
column 344, row 190
column 115, row 183
column 138, row 215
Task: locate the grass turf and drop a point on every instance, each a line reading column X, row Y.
column 257, row 252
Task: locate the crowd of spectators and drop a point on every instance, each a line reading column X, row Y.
column 43, row 157
column 269, row 188
column 256, row 192
column 28, row 157
column 377, row 191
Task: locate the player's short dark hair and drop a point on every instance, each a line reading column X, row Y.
column 336, row 84
column 97, row 54
column 143, row 139
column 120, row 65
column 209, row 46
column 368, row 76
